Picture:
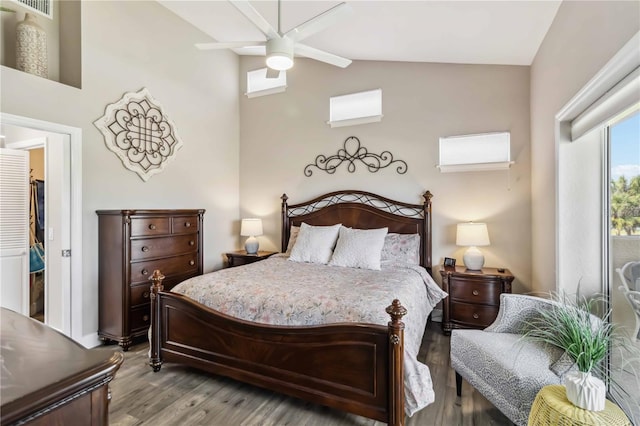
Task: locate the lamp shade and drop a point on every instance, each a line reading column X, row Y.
column 251, row 227
column 472, row 234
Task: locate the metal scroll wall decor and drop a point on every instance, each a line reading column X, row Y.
column 137, row 131
column 351, row 153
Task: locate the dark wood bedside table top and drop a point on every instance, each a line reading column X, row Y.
column 241, row 257
column 487, row 271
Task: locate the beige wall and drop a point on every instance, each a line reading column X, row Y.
column 280, row 134
column 582, row 38
column 127, row 46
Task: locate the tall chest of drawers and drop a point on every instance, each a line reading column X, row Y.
column 131, row 245
column 474, row 296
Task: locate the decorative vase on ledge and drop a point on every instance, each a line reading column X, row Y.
column 585, row 391
column 31, row 47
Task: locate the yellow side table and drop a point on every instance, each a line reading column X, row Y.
column 551, row 407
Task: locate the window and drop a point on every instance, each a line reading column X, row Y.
column 258, row 84
column 355, row 108
column 486, row 151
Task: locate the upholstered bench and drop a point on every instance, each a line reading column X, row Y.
column 508, row 370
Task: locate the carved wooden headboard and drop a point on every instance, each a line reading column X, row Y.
column 362, row 210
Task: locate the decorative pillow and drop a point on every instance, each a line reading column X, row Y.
column 314, row 243
column 293, row 235
column 359, row 248
column 401, row 248
column 563, row 365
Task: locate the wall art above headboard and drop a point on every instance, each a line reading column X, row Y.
column 139, row 133
column 351, row 153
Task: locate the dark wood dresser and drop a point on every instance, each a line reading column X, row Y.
column 474, row 296
column 131, row 244
column 48, row 379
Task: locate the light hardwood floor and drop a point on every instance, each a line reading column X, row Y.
column 179, row 395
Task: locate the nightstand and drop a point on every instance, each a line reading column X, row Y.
column 474, row 296
column 241, row 257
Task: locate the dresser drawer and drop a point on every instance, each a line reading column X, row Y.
column 143, row 226
column 140, row 317
column 140, row 294
column 474, row 291
column 184, row 224
column 473, row 315
column 147, row 248
column 178, row 265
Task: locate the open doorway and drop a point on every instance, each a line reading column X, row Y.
column 63, row 207
column 37, row 224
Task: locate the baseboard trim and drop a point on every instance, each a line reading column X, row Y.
column 90, row 340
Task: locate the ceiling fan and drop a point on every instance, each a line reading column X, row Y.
column 281, row 47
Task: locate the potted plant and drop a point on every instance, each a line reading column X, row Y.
column 586, row 339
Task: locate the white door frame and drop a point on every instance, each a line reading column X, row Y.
column 75, row 315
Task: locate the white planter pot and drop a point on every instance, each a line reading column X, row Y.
column 585, row 391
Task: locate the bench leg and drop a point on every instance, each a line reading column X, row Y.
column 458, row 384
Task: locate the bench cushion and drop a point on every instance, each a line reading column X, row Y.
column 506, row 369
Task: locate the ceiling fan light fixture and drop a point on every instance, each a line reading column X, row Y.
column 280, row 54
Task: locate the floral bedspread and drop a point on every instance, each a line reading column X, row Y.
column 281, row 292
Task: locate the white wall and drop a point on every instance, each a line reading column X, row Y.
column 582, row 38
column 127, row 46
column 282, row 133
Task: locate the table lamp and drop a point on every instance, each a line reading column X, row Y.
column 251, row 228
column 472, row 235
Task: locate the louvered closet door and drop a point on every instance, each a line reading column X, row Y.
column 14, row 230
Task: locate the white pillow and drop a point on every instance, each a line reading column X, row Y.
column 314, row 243
column 359, row 248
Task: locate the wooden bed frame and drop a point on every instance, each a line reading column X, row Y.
column 353, row 367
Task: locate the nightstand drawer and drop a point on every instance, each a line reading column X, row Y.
column 473, row 315
column 184, row 224
column 171, row 266
column 475, row 291
column 148, row 248
column 149, row 226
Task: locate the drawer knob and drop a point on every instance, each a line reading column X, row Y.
column 145, row 272
column 145, row 295
column 145, row 249
column 475, row 316
column 475, row 292
column 191, row 243
column 192, row 262
column 145, row 318
column 152, row 227
column 187, row 224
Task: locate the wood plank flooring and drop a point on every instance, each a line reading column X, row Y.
column 179, row 395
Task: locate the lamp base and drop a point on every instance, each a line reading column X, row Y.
column 251, row 245
column 473, row 259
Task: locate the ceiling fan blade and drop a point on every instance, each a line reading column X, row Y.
column 319, row 22
column 271, row 73
column 228, row 45
column 252, row 14
column 321, row 55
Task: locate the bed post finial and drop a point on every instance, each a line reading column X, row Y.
column 396, row 370
column 427, row 197
column 154, row 330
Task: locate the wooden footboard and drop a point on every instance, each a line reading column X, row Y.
column 353, row 367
